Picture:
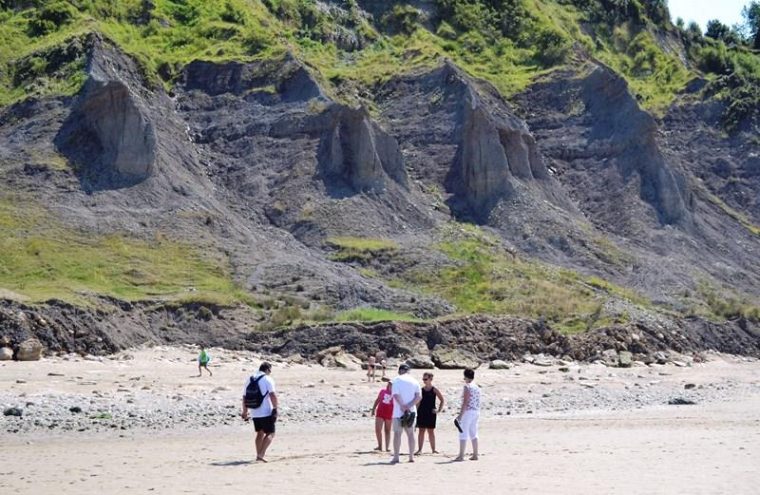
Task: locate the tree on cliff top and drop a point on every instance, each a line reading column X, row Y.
column 751, row 14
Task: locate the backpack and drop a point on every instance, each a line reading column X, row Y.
column 253, row 397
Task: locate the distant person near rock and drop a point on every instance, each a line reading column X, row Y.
column 203, row 359
column 382, row 363
column 259, row 395
column 371, row 364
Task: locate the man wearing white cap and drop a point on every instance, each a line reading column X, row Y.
column 407, row 393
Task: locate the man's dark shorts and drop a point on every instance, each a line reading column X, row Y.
column 264, row 424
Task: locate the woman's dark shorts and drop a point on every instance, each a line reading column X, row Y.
column 264, row 424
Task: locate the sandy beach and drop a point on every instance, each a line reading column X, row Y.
column 148, row 425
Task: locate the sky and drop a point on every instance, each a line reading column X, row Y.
column 729, row 12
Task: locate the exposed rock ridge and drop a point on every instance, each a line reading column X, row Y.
column 358, row 151
column 353, row 150
column 460, row 135
column 494, row 149
column 59, row 327
column 288, row 77
column 630, row 133
column 108, row 134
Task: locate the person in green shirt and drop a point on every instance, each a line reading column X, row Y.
column 203, row 360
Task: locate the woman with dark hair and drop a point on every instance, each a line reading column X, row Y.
column 469, row 414
column 427, row 412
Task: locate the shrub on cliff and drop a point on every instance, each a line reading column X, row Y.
column 51, row 18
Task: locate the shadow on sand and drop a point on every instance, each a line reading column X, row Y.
column 231, row 463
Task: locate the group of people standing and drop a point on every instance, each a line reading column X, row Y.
column 404, row 404
column 399, row 407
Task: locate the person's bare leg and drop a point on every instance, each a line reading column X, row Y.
column 379, row 433
column 259, row 440
column 396, row 445
column 387, row 435
column 265, row 443
column 410, row 439
column 420, row 440
column 462, row 445
column 200, row 371
column 474, row 456
column 431, row 435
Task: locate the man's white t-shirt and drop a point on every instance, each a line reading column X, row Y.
column 266, row 384
column 406, row 387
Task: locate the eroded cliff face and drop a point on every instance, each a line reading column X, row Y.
column 357, row 151
column 605, row 149
column 629, row 134
column 273, row 126
column 108, row 134
column 494, row 150
column 257, row 161
column 463, row 138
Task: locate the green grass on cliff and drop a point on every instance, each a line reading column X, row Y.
column 359, row 248
column 373, row 315
column 41, row 259
column 506, row 43
column 654, row 75
column 483, row 277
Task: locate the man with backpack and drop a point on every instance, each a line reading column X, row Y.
column 259, row 396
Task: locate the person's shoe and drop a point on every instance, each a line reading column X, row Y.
column 473, row 457
column 394, row 461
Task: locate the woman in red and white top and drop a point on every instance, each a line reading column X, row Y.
column 382, row 409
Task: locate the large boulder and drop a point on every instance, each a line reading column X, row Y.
column 610, row 357
column 498, row 364
column 347, row 361
column 449, row 358
column 6, row 354
column 625, row 359
column 29, row 350
column 421, row 361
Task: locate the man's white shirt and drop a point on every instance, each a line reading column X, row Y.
column 406, row 387
column 266, row 384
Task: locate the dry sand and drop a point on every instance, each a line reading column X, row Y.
column 710, row 447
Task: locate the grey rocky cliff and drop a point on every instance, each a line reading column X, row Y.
column 630, row 133
column 464, row 138
column 494, row 150
column 255, row 164
column 358, row 151
column 631, row 178
column 108, row 134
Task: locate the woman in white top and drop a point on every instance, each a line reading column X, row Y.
column 469, row 415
